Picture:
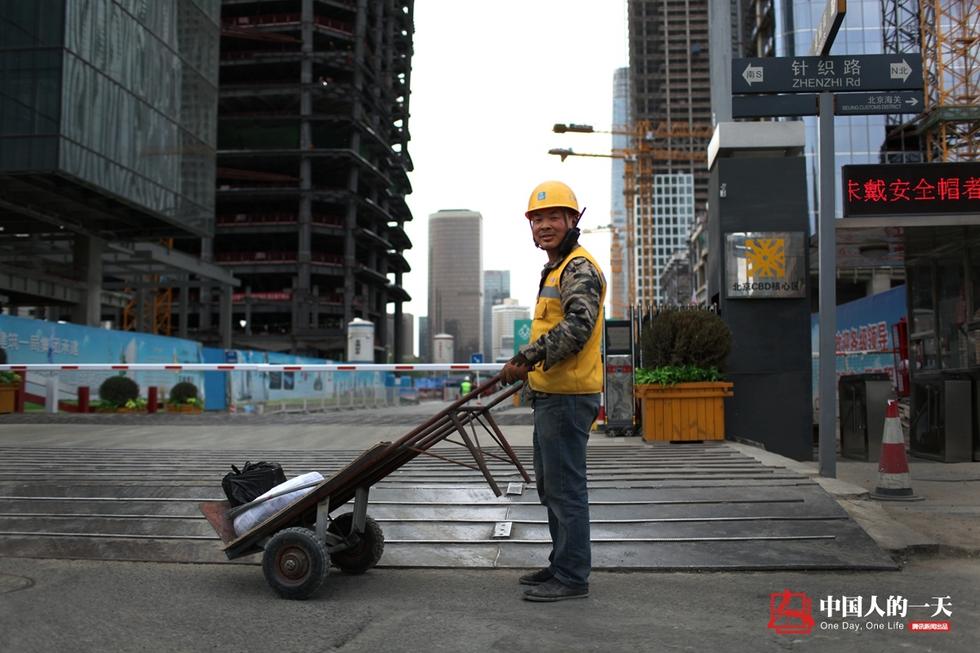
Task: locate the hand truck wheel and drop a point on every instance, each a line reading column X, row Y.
column 366, row 552
column 295, row 563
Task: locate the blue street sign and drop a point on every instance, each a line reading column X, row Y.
column 476, row 358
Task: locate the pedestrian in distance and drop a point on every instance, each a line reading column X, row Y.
column 562, row 365
column 465, row 387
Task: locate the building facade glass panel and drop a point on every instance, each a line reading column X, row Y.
column 30, row 81
column 128, row 90
column 858, row 139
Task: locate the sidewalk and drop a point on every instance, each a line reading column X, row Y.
column 945, row 522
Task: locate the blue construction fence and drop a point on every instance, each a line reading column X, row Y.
column 28, row 341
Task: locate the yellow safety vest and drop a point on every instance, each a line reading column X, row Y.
column 582, row 372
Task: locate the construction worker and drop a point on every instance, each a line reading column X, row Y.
column 563, row 367
column 465, row 387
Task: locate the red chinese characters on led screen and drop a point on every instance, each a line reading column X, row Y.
column 911, row 189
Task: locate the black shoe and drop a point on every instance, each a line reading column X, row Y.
column 555, row 590
column 536, row 577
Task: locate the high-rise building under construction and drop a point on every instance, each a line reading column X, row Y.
column 670, row 111
column 312, row 170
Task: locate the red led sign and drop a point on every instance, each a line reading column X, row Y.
column 910, row 189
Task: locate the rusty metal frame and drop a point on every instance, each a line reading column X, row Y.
column 354, row 480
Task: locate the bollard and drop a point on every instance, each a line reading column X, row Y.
column 51, row 394
column 84, row 396
column 19, row 394
column 152, row 401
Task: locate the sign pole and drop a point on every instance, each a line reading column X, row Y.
column 827, row 275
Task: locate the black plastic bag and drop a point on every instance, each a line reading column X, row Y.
column 253, row 480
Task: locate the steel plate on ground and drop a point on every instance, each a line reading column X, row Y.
column 692, row 506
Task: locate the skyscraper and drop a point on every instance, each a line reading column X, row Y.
column 496, row 288
column 858, row 139
column 620, row 258
column 456, row 278
column 670, row 90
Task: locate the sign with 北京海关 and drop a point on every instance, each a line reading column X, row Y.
column 765, row 264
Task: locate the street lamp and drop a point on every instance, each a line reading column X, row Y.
column 561, row 128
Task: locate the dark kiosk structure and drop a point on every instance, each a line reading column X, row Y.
column 757, row 277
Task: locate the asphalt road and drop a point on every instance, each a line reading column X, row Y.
column 52, row 605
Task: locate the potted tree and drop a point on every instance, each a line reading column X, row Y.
column 680, row 386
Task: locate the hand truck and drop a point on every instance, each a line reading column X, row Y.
column 299, row 542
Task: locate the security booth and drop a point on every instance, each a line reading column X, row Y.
column 757, row 277
column 929, row 214
column 862, row 401
column 618, row 398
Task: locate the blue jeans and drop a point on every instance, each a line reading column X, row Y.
column 561, row 434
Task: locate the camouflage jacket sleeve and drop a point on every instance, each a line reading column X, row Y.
column 581, row 293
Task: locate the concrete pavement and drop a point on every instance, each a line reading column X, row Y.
column 117, row 606
column 98, row 607
column 945, row 522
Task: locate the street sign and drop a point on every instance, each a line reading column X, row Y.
column 522, row 334
column 476, row 358
column 911, row 189
column 830, row 22
column 772, row 106
column 863, row 104
column 845, row 104
column 859, row 72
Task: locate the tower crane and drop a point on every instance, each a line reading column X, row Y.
column 648, row 143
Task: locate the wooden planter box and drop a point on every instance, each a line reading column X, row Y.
column 182, row 408
column 684, row 412
column 7, row 397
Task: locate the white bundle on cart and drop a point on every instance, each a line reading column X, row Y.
column 263, row 509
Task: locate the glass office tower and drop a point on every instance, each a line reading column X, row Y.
column 857, row 139
column 115, row 96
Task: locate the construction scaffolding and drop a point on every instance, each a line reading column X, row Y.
column 950, row 33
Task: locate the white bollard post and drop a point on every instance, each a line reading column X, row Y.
column 51, row 394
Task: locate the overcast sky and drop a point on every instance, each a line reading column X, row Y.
column 489, row 79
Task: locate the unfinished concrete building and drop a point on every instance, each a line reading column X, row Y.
column 312, row 171
column 670, row 93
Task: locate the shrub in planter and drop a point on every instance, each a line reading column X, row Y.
column 682, row 346
column 117, row 390
column 9, row 378
column 184, row 392
column 680, row 384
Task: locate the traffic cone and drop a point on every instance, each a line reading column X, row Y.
column 600, row 421
column 894, row 480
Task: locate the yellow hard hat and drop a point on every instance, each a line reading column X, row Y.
column 549, row 194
